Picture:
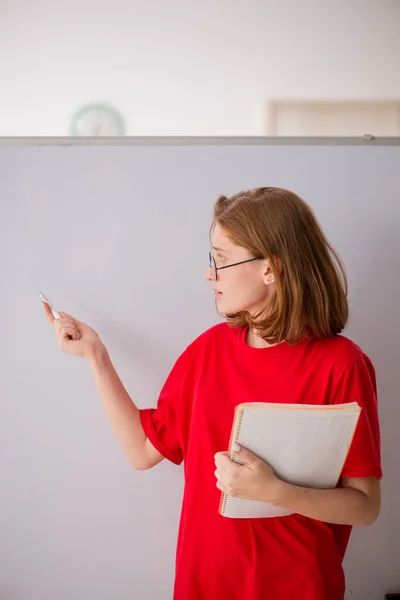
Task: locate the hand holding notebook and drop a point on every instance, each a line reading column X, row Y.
column 305, row 444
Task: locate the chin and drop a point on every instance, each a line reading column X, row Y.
column 225, row 309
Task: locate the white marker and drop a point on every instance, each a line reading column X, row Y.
column 43, row 298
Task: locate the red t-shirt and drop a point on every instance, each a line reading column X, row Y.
column 283, row 558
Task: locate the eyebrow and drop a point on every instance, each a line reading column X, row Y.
column 221, row 250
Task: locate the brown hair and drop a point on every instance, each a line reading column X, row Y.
column 310, row 281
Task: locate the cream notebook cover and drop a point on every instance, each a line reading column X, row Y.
column 304, row 444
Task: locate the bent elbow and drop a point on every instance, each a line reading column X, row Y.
column 374, row 516
column 146, row 458
column 371, row 516
column 140, row 465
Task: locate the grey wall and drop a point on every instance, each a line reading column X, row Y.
column 118, row 237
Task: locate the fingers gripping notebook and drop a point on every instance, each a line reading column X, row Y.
column 305, row 445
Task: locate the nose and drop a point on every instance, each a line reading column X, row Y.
column 209, row 274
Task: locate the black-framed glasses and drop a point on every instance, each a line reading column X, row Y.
column 215, row 269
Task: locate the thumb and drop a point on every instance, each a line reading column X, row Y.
column 246, row 455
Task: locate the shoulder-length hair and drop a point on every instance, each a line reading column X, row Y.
column 310, row 295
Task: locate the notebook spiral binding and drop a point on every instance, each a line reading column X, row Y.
column 231, row 452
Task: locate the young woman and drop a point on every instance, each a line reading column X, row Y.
column 283, row 290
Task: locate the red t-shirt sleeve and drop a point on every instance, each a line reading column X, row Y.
column 359, row 385
column 162, row 424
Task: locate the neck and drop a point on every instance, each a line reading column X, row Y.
column 255, row 341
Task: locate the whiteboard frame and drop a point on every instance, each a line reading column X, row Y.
column 367, row 140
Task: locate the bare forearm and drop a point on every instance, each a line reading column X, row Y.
column 344, row 506
column 121, row 412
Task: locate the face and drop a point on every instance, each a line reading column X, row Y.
column 245, row 287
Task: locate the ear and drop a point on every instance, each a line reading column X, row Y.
column 270, row 267
column 268, row 275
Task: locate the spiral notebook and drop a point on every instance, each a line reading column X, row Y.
column 305, row 444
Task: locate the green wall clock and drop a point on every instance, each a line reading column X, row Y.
column 97, row 119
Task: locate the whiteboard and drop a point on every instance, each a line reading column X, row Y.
column 115, row 232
